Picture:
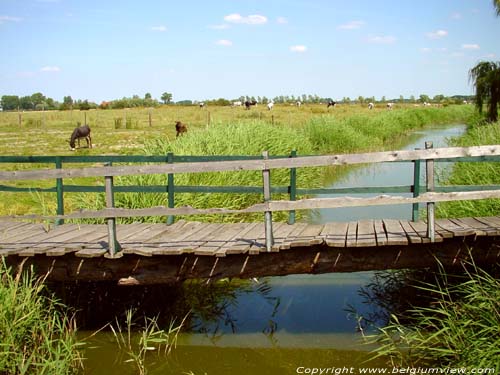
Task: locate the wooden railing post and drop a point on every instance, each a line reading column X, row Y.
column 59, row 192
column 416, row 187
column 113, row 245
column 429, row 169
column 293, row 188
column 170, row 189
column 268, row 215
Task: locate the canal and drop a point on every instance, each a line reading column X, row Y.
column 276, row 325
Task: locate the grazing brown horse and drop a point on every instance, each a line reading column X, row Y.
column 80, row 132
column 180, row 128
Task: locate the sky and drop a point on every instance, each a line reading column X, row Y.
column 199, row 50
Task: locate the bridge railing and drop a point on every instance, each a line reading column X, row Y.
column 171, row 165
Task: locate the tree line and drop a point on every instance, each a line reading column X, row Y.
column 39, row 102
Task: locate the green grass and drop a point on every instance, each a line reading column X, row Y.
column 35, row 336
column 474, row 174
column 459, row 328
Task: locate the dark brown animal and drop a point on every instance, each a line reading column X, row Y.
column 180, row 128
column 248, row 104
column 80, row 132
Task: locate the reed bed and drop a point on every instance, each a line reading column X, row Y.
column 460, row 327
column 36, row 336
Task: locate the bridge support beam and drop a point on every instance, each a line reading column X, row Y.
column 132, row 269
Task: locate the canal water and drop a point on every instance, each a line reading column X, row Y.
column 280, row 325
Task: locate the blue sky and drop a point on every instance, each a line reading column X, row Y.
column 103, row 50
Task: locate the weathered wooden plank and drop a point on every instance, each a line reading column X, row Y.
column 479, row 227
column 65, row 239
column 493, row 223
column 351, row 234
column 216, row 239
column 396, row 235
column 240, row 244
column 30, row 240
column 412, row 235
column 216, row 245
column 177, row 243
column 24, row 232
column 456, row 229
column 256, row 247
column 303, row 161
column 335, row 234
column 420, row 228
column 293, row 235
column 281, row 235
column 309, row 236
column 380, row 233
column 366, row 234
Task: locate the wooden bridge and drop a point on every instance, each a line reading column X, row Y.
column 141, row 253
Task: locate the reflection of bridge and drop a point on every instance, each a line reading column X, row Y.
column 158, row 253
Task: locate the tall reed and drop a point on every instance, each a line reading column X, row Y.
column 460, row 327
column 36, row 337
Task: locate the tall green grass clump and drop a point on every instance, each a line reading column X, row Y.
column 35, row 336
column 460, row 327
column 474, row 174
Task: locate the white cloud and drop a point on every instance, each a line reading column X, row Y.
column 50, row 69
column 438, row 34
column 4, row 19
column 382, row 39
column 457, row 54
column 281, row 20
column 219, row 27
column 298, row 48
column 253, row 19
column 470, row 46
column 160, row 28
column 224, row 42
column 490, row 56
column 456, row 16
column 351, row 25
column 425, row 49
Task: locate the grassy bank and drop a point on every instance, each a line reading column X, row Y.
column 474, row 174
column 35, row 336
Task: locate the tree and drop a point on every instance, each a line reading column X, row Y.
column 496, row 4
column 10, row 102
column 147, row 96
column 166, row 97
column 424, row 98
column 485, row 77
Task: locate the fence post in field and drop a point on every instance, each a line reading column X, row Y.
column 20, row 117
column 150, row 117
column 416, row 187
column 268, row 215
column 429, row 168
column 292, row 190
column 59, row 192
column 113, row 245
column 170, row 189
column 208, row 119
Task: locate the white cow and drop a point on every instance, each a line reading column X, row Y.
column 370, row 105
column 389, row 106
column 236, row 104
column 270, row 105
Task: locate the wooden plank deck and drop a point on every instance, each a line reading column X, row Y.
column 25, row 239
